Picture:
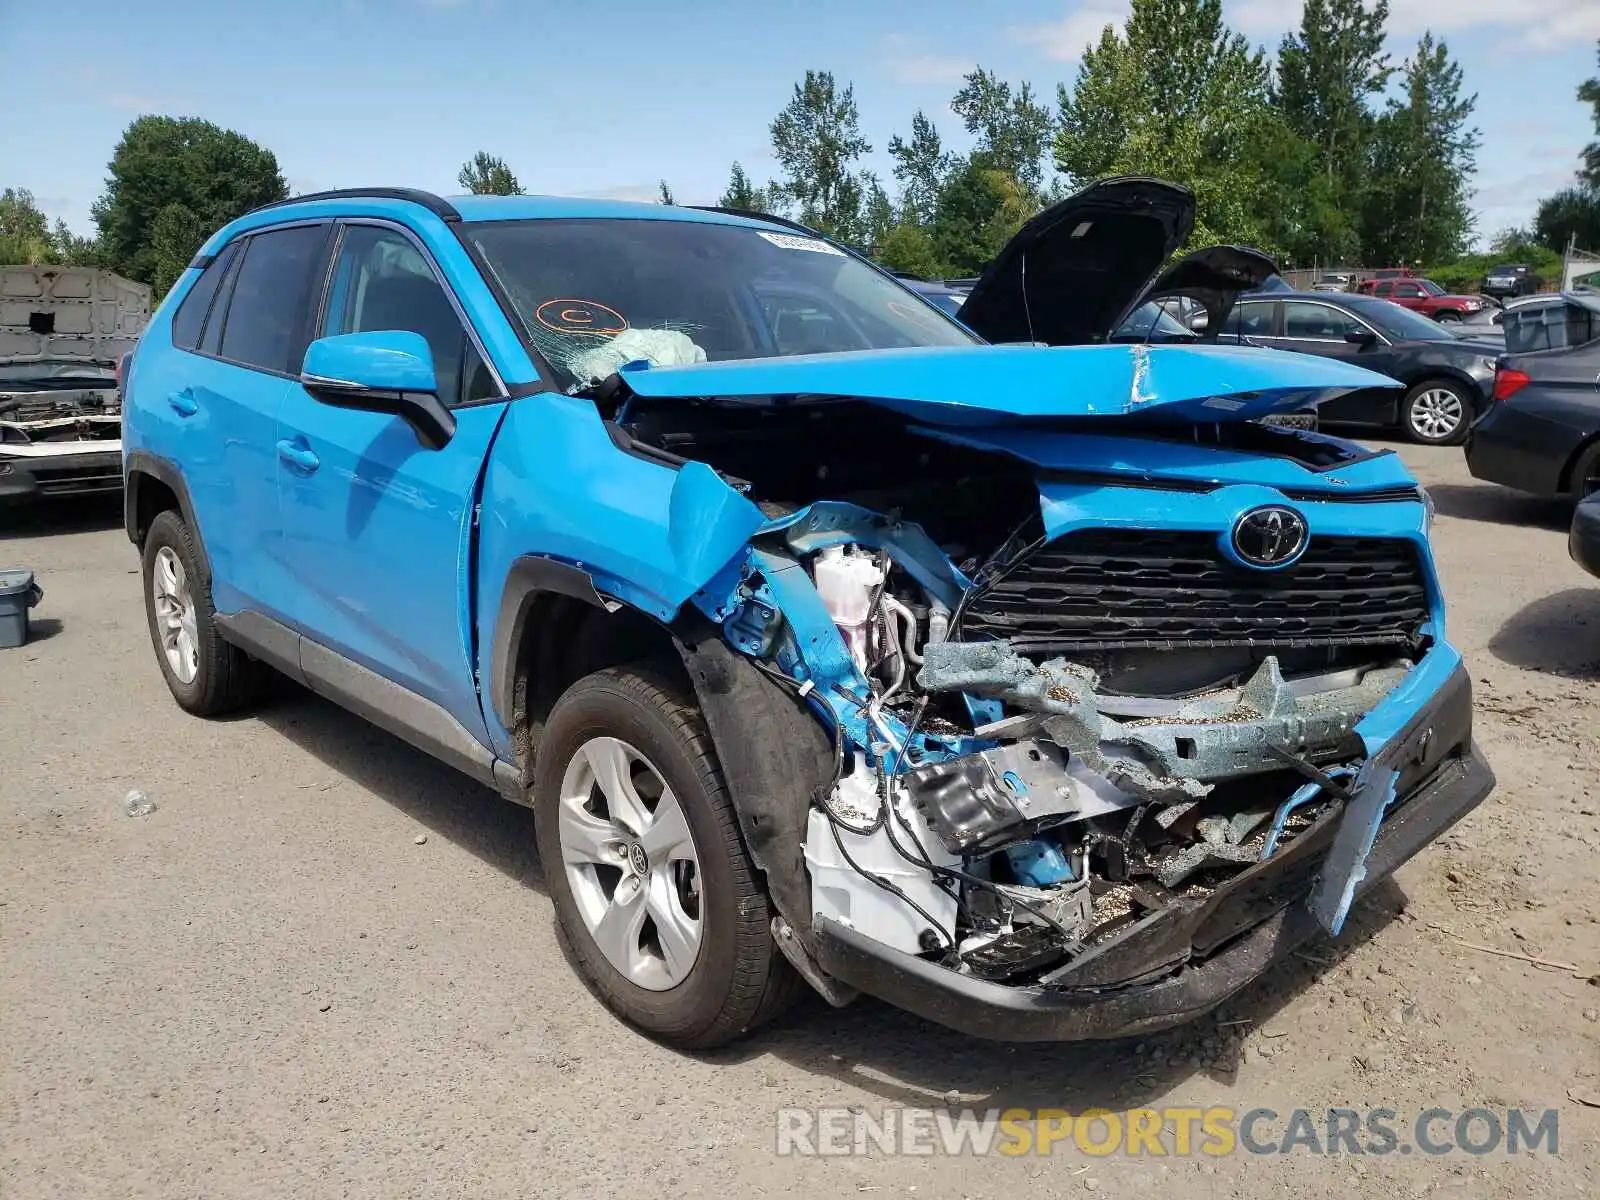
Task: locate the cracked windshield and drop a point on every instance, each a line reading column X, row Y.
column 593, row 295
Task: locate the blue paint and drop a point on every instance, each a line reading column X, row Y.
column 982, row 385
column 1038, row 863
column 1299, row 798
column 390, row 360
column 1346, row 864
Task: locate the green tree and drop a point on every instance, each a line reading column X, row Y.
column 877, row 213
column 1012, row 130
column 921, row 167
column 26, row 236
column 1424, row 151
column 74, row 249
column 173, row 181
column 1175, row 94
column 1326, row 74
column 485, row 175
column 741, row 193
column 908, row 248
column 979, row 210
column 24, row 229
column 817, row 140
column 1571, row 216
column 666, row 196
column 1589, row 93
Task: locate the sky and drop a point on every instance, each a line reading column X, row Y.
column 607, row 99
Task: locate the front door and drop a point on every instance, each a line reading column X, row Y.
column 377, row 528
column 1315, row 327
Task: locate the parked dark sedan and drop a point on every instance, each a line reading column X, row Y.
column 1542, row 433
column 1448, row 380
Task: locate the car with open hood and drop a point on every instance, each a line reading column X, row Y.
column 63, row 332
column 1040, row 690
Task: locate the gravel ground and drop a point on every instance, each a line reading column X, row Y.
column 267, row 987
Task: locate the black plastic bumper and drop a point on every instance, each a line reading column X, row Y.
column 1583, row 542
column 1185, row 960
column 93, row 473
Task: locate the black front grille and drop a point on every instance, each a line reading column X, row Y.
column 1113, row 589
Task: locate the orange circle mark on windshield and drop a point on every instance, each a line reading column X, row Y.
column 580, row 316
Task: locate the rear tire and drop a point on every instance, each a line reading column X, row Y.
column 1436, row 412
column 619, row 746
column 206, row 675
column 1585, row 479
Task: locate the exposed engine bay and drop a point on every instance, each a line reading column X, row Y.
column 68, row 410
column 1045, row 732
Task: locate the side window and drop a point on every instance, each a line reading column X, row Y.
column 1383, row 289
column 190, row 318
column 1409, row 291
column 266, row 322
column 1250, row 319
column 1319, row 322
column 382, row 281
column 211, row 340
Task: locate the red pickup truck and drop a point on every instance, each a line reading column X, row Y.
column 1423, row 296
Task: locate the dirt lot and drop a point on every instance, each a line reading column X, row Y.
column 267, row 988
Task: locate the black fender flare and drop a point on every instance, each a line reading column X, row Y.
column 141, row 464
column 530, row 577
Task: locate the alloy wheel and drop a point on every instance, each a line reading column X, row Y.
column 175, row 615
column 631, row 863
column 1437, row 413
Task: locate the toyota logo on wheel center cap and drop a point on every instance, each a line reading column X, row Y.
column 1271, row 536
column 638, row 859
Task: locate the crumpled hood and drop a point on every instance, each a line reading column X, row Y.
column 984, row 385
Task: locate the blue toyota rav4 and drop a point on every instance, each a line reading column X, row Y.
column 1041, row 689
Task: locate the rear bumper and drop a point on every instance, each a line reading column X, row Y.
column 1511, row 447
column 1185, row 961
column 1583, row 542
column 70, row 473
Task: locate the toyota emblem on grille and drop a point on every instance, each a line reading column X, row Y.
column 1272, row 536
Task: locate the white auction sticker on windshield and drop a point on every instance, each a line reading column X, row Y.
column 789, row 241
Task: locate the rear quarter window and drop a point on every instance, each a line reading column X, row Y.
column 190, row 318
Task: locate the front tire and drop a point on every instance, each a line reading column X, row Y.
column 665, row 915
column 1436, row 412
column 206, row 675
column 1448, row 317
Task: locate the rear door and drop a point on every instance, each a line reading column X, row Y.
column 238, row 331
column 1251, row 323
column 378, row 530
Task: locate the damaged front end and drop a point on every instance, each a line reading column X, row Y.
column 60, row 430
column 1119, row 710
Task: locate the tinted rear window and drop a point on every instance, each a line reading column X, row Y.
column 267, row 314
column 191, row 315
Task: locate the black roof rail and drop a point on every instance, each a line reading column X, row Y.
column 439, row 207
column 753, row 215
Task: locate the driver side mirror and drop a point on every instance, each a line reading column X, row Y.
column 385, row 371
column 1361, row 337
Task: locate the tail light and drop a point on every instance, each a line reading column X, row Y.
column 1508, row 382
